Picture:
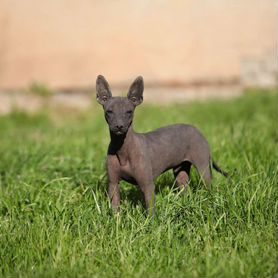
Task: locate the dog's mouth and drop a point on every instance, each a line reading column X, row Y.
column 118, row 131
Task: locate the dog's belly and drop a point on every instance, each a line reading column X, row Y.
column 162, row 165
column 130, row 180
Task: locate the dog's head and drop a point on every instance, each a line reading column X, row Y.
column 119, row 110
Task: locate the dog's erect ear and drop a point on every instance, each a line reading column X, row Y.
column 103, row 90
column 135, row 93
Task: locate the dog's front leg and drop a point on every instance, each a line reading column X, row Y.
column 149, row 194
column 113, row 179
column 114, row 195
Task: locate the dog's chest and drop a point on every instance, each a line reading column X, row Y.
column 127, row 173
column 125, row 170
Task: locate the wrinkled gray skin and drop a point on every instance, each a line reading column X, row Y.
column 141, row 158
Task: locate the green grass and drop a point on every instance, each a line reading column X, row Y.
column 55, row 217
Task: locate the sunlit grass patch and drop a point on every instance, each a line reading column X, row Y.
column 56, row 220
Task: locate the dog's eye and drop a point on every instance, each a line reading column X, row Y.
column 109, row 112
column 128, row 112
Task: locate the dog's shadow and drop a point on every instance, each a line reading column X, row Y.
column 164, row 183
column 135, row 196
column 132, row 193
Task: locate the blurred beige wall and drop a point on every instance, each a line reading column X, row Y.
column 68, row 43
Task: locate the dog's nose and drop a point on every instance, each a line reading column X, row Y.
column 120, row 127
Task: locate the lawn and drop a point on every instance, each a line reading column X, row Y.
column 56, row 220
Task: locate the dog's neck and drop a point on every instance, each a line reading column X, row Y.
column 120, row 145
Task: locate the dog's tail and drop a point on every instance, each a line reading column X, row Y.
column 218, row 169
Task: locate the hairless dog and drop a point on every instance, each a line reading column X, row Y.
column 140, row 158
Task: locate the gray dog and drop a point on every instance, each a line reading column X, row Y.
column 141, row 158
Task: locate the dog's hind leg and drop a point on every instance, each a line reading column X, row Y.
column 182, row 175
column 204, row 170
